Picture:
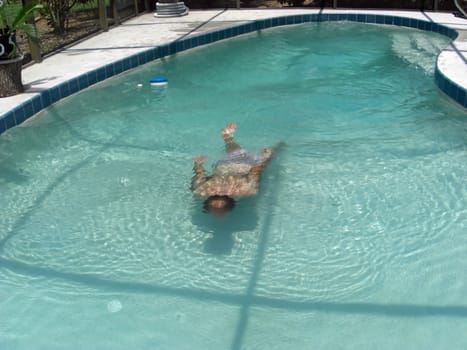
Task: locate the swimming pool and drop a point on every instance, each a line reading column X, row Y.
column 355, row 241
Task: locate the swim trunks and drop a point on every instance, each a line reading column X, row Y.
column 242, row 156
column 237, row 162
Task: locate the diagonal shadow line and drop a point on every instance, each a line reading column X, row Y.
column 249, row 297
column 359, row 308
column 105, row 144
column 15, row 229
column 50, row 187
column 84, row 49
column 458, row 52
column 72, row 50
column 426, row 16
column 452, row 45
column 185, row 22
column 201, row 25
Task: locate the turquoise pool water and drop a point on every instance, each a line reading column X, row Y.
column 356, row 241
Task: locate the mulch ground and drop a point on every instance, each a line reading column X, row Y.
column 79, row 26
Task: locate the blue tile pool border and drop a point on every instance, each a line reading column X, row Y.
column 47, row 97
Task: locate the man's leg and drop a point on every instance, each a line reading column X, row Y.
column 228, row 137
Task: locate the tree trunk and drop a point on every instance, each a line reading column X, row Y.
column 10, row 77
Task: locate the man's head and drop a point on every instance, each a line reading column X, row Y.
column 219, row 205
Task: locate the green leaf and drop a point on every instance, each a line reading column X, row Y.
column 22, row 18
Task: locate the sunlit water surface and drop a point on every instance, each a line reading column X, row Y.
column 357, row 239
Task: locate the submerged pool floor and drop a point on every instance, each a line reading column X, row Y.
column 355, row 241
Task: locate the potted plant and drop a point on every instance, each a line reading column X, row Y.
column 13, row 17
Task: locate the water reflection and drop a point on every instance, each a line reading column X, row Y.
column 220, row 231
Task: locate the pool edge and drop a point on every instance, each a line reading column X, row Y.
column 37, row 101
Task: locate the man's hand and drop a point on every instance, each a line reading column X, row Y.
column 267, row 152
column 200, row 159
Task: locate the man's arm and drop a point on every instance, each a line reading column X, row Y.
column 200, row 174
column 267, row 154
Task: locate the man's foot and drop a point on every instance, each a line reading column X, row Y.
column 228, row 131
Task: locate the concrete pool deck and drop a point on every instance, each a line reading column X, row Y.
column 68, row 70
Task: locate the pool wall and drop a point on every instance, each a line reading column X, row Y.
column 46, row 97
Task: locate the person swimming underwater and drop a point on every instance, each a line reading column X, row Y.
column 237, row 175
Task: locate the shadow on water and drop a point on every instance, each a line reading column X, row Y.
column 220, row 231
column 220, row 234
column 359, row 308
column 270, row 185
column 220, row 240
column 12, row 174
